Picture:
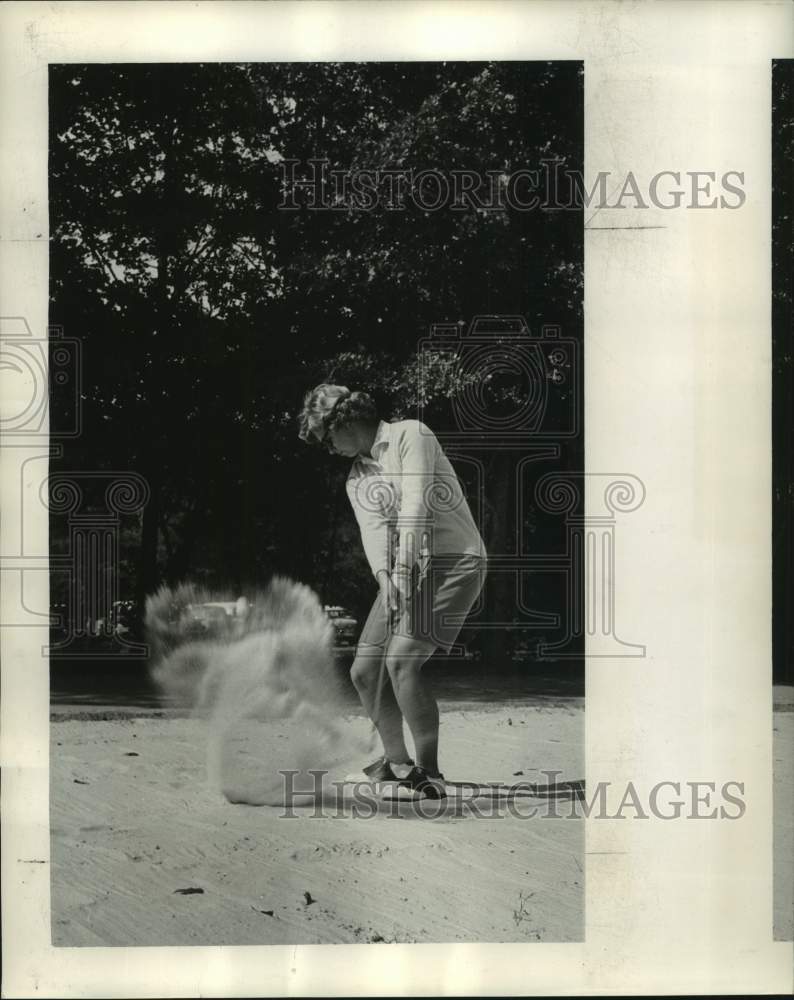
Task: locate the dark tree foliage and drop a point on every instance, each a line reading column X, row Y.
column 206, row 311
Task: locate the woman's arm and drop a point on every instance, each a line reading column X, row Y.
column 377, row 532
column 418, row 448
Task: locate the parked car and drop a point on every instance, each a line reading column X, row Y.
column 345, row 625
column 215, row 616
column 125, row 621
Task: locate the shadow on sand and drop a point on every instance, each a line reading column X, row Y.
column 465, row 799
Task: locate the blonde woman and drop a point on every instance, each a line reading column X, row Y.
column 428, row 558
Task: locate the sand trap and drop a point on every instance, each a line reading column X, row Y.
column 135, row 822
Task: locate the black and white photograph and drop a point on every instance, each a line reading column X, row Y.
column 396, row 483
column 317, row 542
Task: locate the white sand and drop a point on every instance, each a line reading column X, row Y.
column 142, row 827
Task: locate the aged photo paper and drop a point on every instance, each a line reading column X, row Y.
column 310, row 311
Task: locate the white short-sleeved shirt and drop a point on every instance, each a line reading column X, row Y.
column 408, row 500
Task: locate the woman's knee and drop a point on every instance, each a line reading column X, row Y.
column 366, row 666
column 399, row 667
column 406, row 659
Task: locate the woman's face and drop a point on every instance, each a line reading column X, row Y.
column 344, row 441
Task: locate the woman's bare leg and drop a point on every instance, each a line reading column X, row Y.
column 405, row 658
column 371, row 680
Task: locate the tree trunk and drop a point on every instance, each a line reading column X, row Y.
column 500, row 596
column 330, row 568
column 148, row 572
column 151, row 464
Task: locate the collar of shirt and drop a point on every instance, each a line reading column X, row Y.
column 378, row 445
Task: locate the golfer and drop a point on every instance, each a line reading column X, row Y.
column 427, row 555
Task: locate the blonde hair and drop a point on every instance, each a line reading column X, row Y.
column 328, row 406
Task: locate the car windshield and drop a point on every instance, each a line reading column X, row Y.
column 206, row 612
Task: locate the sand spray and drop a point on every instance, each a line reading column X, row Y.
column 266, row 684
